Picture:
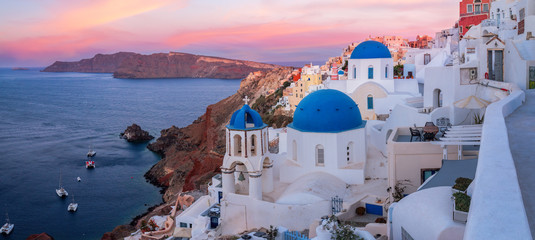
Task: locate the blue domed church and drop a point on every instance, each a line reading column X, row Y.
column 327, row 135
column 370, row 80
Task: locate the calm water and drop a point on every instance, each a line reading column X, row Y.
column 47, row 122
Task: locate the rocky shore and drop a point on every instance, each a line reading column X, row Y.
column 162, row 65
column 134, row 133
column 193, row 154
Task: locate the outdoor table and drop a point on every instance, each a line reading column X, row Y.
column 430, row 132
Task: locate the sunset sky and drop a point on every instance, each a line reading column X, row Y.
column 37, row 33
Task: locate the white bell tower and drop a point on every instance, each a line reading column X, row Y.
column 247, row 169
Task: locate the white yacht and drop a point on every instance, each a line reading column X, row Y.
column 78, row 179
column 72, row 206
column 8, row 227
column 91, row 152
column 61, row 191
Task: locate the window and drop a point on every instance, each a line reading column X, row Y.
column 370, row 101
column 477, row 8
column 370, row 72
column 183, row 225
column 486, row 7
column 386, row 71
column 427, row 58
column 294, row 150
column 320, row 157
column 354, row 72
column 427, row 172
column 237, row 145
column 469, row 8
column 350, row 152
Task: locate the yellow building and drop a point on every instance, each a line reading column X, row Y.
column 310, row 76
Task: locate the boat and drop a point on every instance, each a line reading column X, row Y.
column 91, row 152
column 7, row 227
column 72, row 206
column 61, row 191
column 78, row 179
column 89, row 163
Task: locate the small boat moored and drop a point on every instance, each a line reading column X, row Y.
column 91, row 152
column 90, row 164
column 78, row 179
column 7, row 227
column 72, row 206
column 61, row 191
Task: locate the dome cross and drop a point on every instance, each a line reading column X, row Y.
column 246, row 100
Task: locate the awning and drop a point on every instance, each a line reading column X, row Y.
column 451, row 170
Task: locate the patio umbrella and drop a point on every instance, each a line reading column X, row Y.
column 471, row 102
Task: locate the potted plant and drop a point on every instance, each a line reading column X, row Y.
column 461, row 184
column 461, row 206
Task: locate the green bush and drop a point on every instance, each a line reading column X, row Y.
column 462, row 183
column 462, row 201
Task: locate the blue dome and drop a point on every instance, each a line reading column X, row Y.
column 246, row 119
column 327, row 110
column 370, row 49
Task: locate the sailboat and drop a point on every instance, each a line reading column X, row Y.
column 91, row 152
column 61, row 191
column 72, row 206
column 8, row 227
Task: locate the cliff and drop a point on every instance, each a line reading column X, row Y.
column 161, row 65
column 100, row 63
column 191, row 155
column 183, row 65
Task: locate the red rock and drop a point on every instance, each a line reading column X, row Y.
column 41, row 236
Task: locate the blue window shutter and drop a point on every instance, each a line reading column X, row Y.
column 370, row 102
column 370, row 73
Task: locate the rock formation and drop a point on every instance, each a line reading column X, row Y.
column 183, row 65
column 41, row 236
column 134, row 133
column 162, row 65
column 100, row 63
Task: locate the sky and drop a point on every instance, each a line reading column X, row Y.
column 39, row 32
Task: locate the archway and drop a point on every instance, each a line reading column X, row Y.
column 437, row 98
column 237, row 145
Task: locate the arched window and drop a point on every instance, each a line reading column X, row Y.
column 370, row 101
column 237, row 145
column 437, row 98
column 320, row 155
column 350, row 152
column 354, row 72
column 386, row 71
column 294, row 150
column 253, row 145
column 370, row 72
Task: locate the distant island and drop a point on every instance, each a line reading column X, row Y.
column 162, row 65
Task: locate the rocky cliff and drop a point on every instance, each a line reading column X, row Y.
column 192, row 155
column 100, row 63
column 134, row 133
column 183, row 65
column 162, row 65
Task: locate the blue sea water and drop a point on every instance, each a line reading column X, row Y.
column 48, row 121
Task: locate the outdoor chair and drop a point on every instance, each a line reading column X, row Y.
column 443, row 124
column 429, row 124
column 415, row 133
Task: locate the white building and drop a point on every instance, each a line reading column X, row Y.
column 371, row 83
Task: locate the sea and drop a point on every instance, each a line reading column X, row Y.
column 49, row 120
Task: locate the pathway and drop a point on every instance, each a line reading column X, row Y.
column 521, row 133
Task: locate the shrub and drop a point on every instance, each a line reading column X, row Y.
column 462, row 201
column 462, row 183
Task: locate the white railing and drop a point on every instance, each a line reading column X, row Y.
column 497, row 209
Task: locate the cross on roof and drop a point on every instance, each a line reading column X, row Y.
column 246, row 100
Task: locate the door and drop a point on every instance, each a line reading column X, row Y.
column 498, row 65
column 490, row 66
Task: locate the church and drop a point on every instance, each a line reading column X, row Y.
column 370, row 81
column 326, row 153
